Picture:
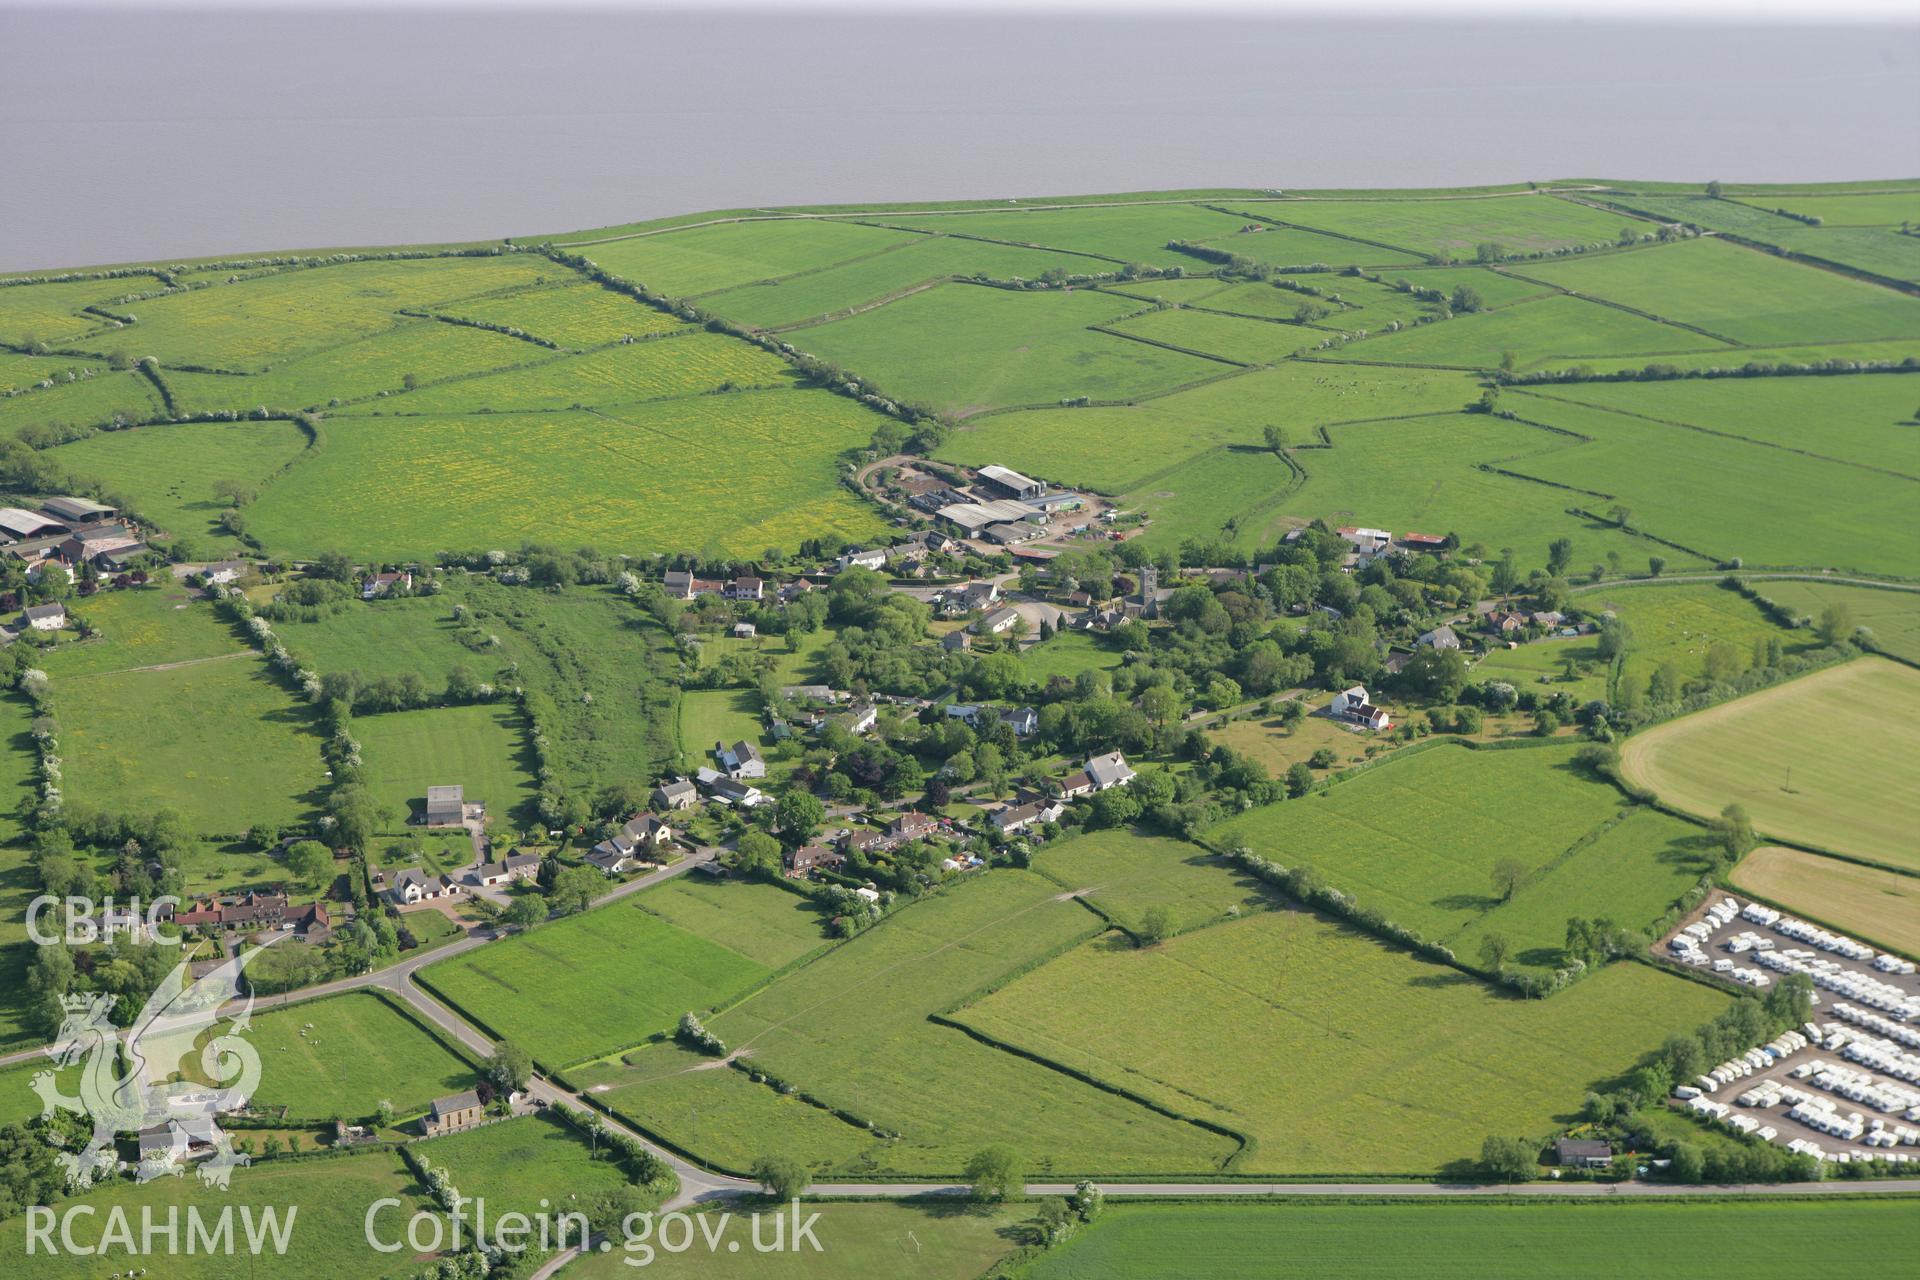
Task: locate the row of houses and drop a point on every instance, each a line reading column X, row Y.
column 257, row 911
column 414, row 886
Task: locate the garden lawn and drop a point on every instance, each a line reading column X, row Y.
column 1264, row 739
column 632, row 972
column 168, row 473
column 901, row 1241
column 1125, row 875
column 1893, row 616
column 696, row 260
column 1067, row 654
column 1866, row 901
column 1861, row 418
column 344, row 1055
column 537, row 1165
column 964, row 348
column 742, row 472
column 709, row 716
column 1534, row 332
column 852, row 1029
column 1835, row 730
column 482, row 748
column 219, row 740
column 326, row 1201
column 1331, row 1052
column 1742, row 294
column 1113, row 449
column 1482, row 1240
column 1417, row 838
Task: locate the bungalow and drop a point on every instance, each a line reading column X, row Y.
column 1110, row 770
column 1353, row 704
column 183, row 1138
column 733, row 791
column 222, row 572
column 745, row 589
column 1582, row 1153
column 874, row 559
column 996, row 622
column 609, row 857
column 1010, row 819
column 76, row 510
column 385, row 584
column 446, row 806
column 452, row 1113
column 821, row 693
column 1549, row 619
column 1368, row 542
column 741, row 760
column 676, row 793
column 1439, row 638
column 1024, row 721
column 44, row 617
column 809, row 858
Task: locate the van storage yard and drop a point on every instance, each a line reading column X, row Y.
column 1246, row 688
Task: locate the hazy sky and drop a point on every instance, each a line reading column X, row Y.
column 132, row 134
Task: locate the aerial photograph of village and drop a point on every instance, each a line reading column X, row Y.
column 801, row 650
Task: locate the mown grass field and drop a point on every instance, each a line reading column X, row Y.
column 709, row 716
column 140, row 627
column 1541, row 666
column 1120, row 234
column 573, row 314
column 1231, row 337
column 912, row 1241
column 1455, row 228
column 964, row 348
column 763, row 922
column 1842, row 209
column 168, row 473
column 1408, row 1240
column 1536, row 332
column 1232, row 494
column 1114, row 449
column 1069, row 653
column 1737, row 293
column 346, row 1054
column 852, row 1030
column 536, row 1165
column 1833, row 729
column 696, row 260
column 1866, row 901
column 326, row 1199
column 219, row 740
column 1875, row 249
column 1708, row 356
column 1332, row 1053
column 637, row 972
column 1285, row 247
column 1126, row 875
column 1417, row 838
column 483, row 748
column 1868, row 419
column 85, row 402
column 389, row 638
column 828, row 292
column 1892, row 616
column 740, row 472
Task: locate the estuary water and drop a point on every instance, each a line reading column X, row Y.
column 133, row 135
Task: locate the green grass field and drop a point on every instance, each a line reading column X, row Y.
column 1737, row 293
column 482, row 748
column 168, row 473
column 964, row 348
column 345, row 1054
column 911, row 1241
column 708, row 716
column 389, row 638
column 1866, row 209
column 1230, row 337
column 51, row 312
column 1069, row 653
column 1892, row 616
column 1519, row 223
column 1544, row 331
column 1125, row 875
column 574, row 314
column 94, row 401
column 1417, row 838
column 634, row 970
column 1830, row 728
column 647, row 475
column 763, row 922
column 533, row 1165
column 1408, row 1240
column 155, row 625
column 697, row 260
column 1541, row 666
column 1120, row 233
column 852, row 1030
column 326, row 1201
column 1681, row 622
column 220, row 740
column 1330, row 1052
column 1285, row 247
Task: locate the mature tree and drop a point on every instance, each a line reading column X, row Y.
column 1510, row 1158
column 336, row 565
column 1466, row 299
column 574, row 889
column 1508, row 875
column 1836, row 624
column 757, row 853
column 781, row 1177
column 509, row 1068
column 357, row 815
column 1621, row 514
column 1156, row 925
column 996, row 1173
column 526, row 910
column 310, row 863
column 1559, row 556
column 1299, row 779
column 1688, row 1164
column 1656, row 565
column 800, row 814
column 1276, row 438
column 1735, row 830
column 1713, row 189
column 1493, row 950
